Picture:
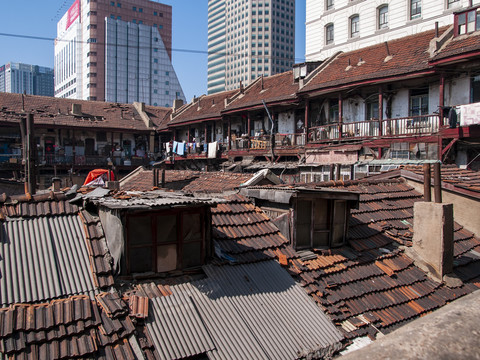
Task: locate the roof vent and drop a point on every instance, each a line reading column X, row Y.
column 77, row 109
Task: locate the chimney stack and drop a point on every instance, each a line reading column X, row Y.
column 57, row 183
column 433, row 237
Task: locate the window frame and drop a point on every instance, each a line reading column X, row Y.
column 329, row 4
column 382, row 16
column 423, row 107
column 354, row 26
column 415, row 9
column 329, row 34
column 180, row 242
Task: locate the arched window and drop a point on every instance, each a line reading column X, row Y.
column 383, row 16
column 354, row 26
column 329, row 34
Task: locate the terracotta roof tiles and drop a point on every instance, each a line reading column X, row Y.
column 402, row 56
column 51, row 111
column 205, row 107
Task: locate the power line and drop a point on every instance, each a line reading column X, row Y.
column 190, row 51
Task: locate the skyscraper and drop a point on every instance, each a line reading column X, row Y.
column 345, row 25
column 248, row 39
column 25, row 78
column 116, row 51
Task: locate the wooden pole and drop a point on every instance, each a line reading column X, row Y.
column 437, row 179
column 427, row 194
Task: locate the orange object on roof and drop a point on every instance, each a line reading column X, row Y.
column 98, row 174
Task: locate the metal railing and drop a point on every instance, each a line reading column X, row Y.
column 412, row 125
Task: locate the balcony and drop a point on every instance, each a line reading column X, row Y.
column 408, row 126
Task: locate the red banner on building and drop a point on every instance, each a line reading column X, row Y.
column 73, row 13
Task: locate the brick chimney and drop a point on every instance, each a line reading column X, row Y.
column 433, row 238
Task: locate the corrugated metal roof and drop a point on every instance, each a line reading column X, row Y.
column 176, row 327
column 43, row 258
column 251, row 311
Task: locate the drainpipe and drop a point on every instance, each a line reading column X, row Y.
column 249, row 126
column 441, row 102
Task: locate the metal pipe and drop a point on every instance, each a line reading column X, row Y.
column 427, row 179
column 437, row 180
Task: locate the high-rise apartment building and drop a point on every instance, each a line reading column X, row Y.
column 116, row 51
column 346, row 25
column 248, row 39
column 24, row 78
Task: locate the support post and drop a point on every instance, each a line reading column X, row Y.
column 249, row 128
column 380, row 111
column 340, row 115
column 31, row 156
column 307, row 103
column 437, row 180
column 229, row 134
column 427, row 194
column 441, row 94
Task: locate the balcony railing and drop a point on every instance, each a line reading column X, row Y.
column 412, row 125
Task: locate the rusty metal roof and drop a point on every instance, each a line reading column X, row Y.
column 248, row 311
column 43, row 258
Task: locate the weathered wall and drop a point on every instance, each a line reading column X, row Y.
column 433, row 236
column 465, row 210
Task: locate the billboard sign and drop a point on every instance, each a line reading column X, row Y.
column 73, row 13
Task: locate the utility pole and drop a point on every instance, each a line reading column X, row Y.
column 30, row 154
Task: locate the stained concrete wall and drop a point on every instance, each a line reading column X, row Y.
column 465, row 209
column 433, row 236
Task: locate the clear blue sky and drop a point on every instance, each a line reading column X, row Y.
column 39, row 18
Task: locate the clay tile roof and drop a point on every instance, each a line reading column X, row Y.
column 205, row 107
column 51, row 111
column 142, row 180
column 460, row 45
column 407, row 55
column 280, row 87
column 74, row 327
column 371, row 284
column 25, row 206
column 214, row 182
column 245, row 234
column 98, row 254
column 454, row 176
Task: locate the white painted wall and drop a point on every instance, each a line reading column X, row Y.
column 399, row 23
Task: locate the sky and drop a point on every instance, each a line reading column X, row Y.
column 38, row 18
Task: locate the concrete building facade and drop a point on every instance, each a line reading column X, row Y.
column 118, row 51
column 25, row 78
column 346, row 25
column 248, row 39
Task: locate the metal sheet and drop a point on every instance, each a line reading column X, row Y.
column 252, row 311
column 42, row 259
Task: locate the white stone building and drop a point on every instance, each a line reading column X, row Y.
column 346, row 25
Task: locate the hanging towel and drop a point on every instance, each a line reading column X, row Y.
column 212, row 150
column 181, row 149
column 175, row 147
column 168, row 148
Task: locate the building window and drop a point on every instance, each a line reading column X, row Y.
column 452, row 3
column 415, row 9
column 320, row 223
column 112, row 3
column 119, row 5
column 371, row 107
column 329, row 4
column 383, row 17
column 154, row 13
column 165, row 241
column 467, row 22
column 418, row 102
column 355, row 26
column 329, row 34
column 140, row 10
